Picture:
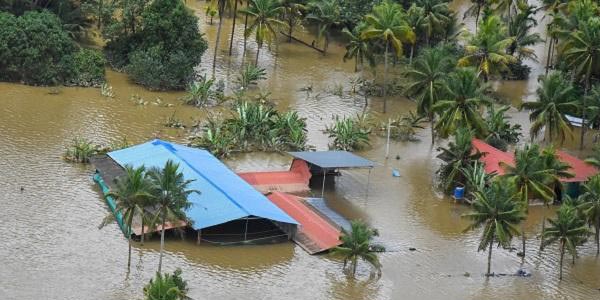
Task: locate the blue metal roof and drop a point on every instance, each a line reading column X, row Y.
column 333, row 159
column 223, row 197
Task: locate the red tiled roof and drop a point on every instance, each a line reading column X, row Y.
column 579, row 168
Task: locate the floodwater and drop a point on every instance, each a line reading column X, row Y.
column 52, row 249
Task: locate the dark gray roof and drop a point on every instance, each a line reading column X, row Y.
column 333, row 159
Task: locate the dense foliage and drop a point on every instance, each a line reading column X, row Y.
column 35, row 49
column 158, row 46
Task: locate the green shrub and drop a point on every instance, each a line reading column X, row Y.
column 162, row 53
column 89, row 68
column 348, row 134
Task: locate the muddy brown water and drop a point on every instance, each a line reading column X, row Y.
column 51, row 247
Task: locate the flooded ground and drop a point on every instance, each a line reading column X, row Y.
column 52, row 249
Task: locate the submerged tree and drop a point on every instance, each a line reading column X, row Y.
column 464, row 97
column 171, row 191
column 568, row 230
column 387, row 23
column 132, row 195
column 496, row 210
column 590, row 207
column 358, row 244
column 486, row 50
column 358, row 48
column 457, row 156
column 265, row 22
column 555, row 99
column 326, row 14
column 428, row 81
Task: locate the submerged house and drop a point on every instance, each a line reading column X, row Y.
column 227, row 209
column 492, row 157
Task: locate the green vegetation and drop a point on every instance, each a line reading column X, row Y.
column 166, row 287
column 250, row 75
column 349, row 133
column 497, row 211
column 132, row 196
column 501, row 132
column 457, row 156
column 157, row 44
column 46, row 54
column 200, row 92
column 358, row 244
column 568, row 230
column 265, row 22
column 253, row 126
column 590, row 207
column 81, row 150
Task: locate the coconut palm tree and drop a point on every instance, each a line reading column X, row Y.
column 457, row 156
column 358, row 48
column 415, row 18
column 220, row 4
column 326, row 14
column 531, row 178
column 358, row 244
column 568, row 229
column 132, row 196
column 235, row 11
column 555, row 98
column 436, row 15
column 519, row 28
column 265, row 22
column 475, row 10
column 486, row 50
column 593, row 105
column 460, row 107
column 496, row 210
column 582, row 55
column 171, row 190
column 293, row 14
column 387, row 23
column 591, row 207
column 428, row 81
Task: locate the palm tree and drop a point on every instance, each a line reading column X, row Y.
column 358, row 48
column 475, row 10
column 460, row 107
column 428, row 81
column 131, row 194
column 221, row 10
column 593, row 105
column 387, row 23
column 171, row 191
column 519, row 27
column 531, row 178
column 358, row 244
column 325, row 13
column 235, row 11
column 486, row 50
column 265, row 14
column 436, row 15
column 293, row 14
column 591, row 207
column 568, row 230
column 415, row 18
column 582, row 55
column 555, row 99
column 456, row 157
column 496, row 210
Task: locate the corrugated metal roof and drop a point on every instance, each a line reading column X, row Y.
column 333, row 159
column 224, row 196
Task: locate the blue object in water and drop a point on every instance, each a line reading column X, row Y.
column 459, row 192
column 395, row 173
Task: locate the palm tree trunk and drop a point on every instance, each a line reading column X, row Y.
column 597, row 234
column 477, row 17
column 245, row 28
column 432, row 121
column 490, row 257
column 385, row 65
column 354, row 263
column 257, row 53
column 162, row 242
column 548, row 59
column 356, row 63
column 562, row 254
column 290, row 29
column 524, row 241
column 412, row 51
column 142, row 238
column 583, row 109
column 129, row 256
column 543, row 227
column 218, row 38
column 233, row 26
